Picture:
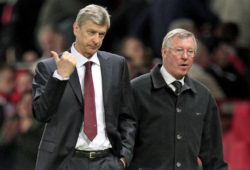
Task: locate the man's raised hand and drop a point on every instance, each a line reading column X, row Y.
column 65, row 64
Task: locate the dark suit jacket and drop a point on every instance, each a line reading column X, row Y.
column 60, row 105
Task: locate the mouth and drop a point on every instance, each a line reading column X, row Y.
column 93, row 47
column 184, row 66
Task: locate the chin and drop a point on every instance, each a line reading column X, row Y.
column 180, row 76
column 91, row 52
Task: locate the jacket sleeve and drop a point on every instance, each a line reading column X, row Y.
column 211, row 152
column 47, row 92
column 127, row 120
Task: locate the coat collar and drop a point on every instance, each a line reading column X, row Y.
column 157, row 79
column 159, row 82
column 189, row 84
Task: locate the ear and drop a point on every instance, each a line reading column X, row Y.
column 75, row 28
column 163, row 51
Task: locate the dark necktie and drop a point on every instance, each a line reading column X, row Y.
column 177, row 85
column 90, row 128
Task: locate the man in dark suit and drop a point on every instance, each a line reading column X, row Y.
column 85, row 99
column 178, row 121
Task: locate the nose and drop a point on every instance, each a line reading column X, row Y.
column 96, row 38
column 184, row 56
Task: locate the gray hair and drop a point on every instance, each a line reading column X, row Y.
column 181, row 33
column 99, row 15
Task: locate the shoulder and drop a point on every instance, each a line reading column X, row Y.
column 48, row 61
column 141, row 81
column 108, row 55
column 199, row 87
column 48, row 64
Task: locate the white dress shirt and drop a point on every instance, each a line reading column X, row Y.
column 169, row 79
column 101, row 141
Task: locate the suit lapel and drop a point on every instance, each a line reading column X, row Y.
column 75, row 84
column 76, row 87
column 106, row 70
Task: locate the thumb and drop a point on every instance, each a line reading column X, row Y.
column 55, row 55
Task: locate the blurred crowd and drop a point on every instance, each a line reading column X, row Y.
column 30, row 29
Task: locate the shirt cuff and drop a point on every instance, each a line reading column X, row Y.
column 56, row 75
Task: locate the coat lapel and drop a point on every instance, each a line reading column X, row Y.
column 106, row 69
column 76, row 87
column 75, row 84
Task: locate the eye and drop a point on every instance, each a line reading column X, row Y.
column 179, row 50
column 91, row 32
column 190, row 52
column 101, row 35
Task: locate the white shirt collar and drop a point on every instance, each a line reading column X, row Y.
column 168, row 77
column 81, row 60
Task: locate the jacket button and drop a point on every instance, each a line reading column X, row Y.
column 178, row 164
column 178, row 136
column 178, row 110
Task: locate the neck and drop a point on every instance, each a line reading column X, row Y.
column 78, row 49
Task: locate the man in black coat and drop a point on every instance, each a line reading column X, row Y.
column 84, row 97
column 178, row 120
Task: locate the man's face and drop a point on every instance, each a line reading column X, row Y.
column 178, row 58
column 89, row 37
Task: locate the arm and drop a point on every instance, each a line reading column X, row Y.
column 211, row 152
column 48, row 90
column 127, row 121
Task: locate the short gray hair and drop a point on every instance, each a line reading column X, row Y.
column 181, row 33
column 99, row 15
